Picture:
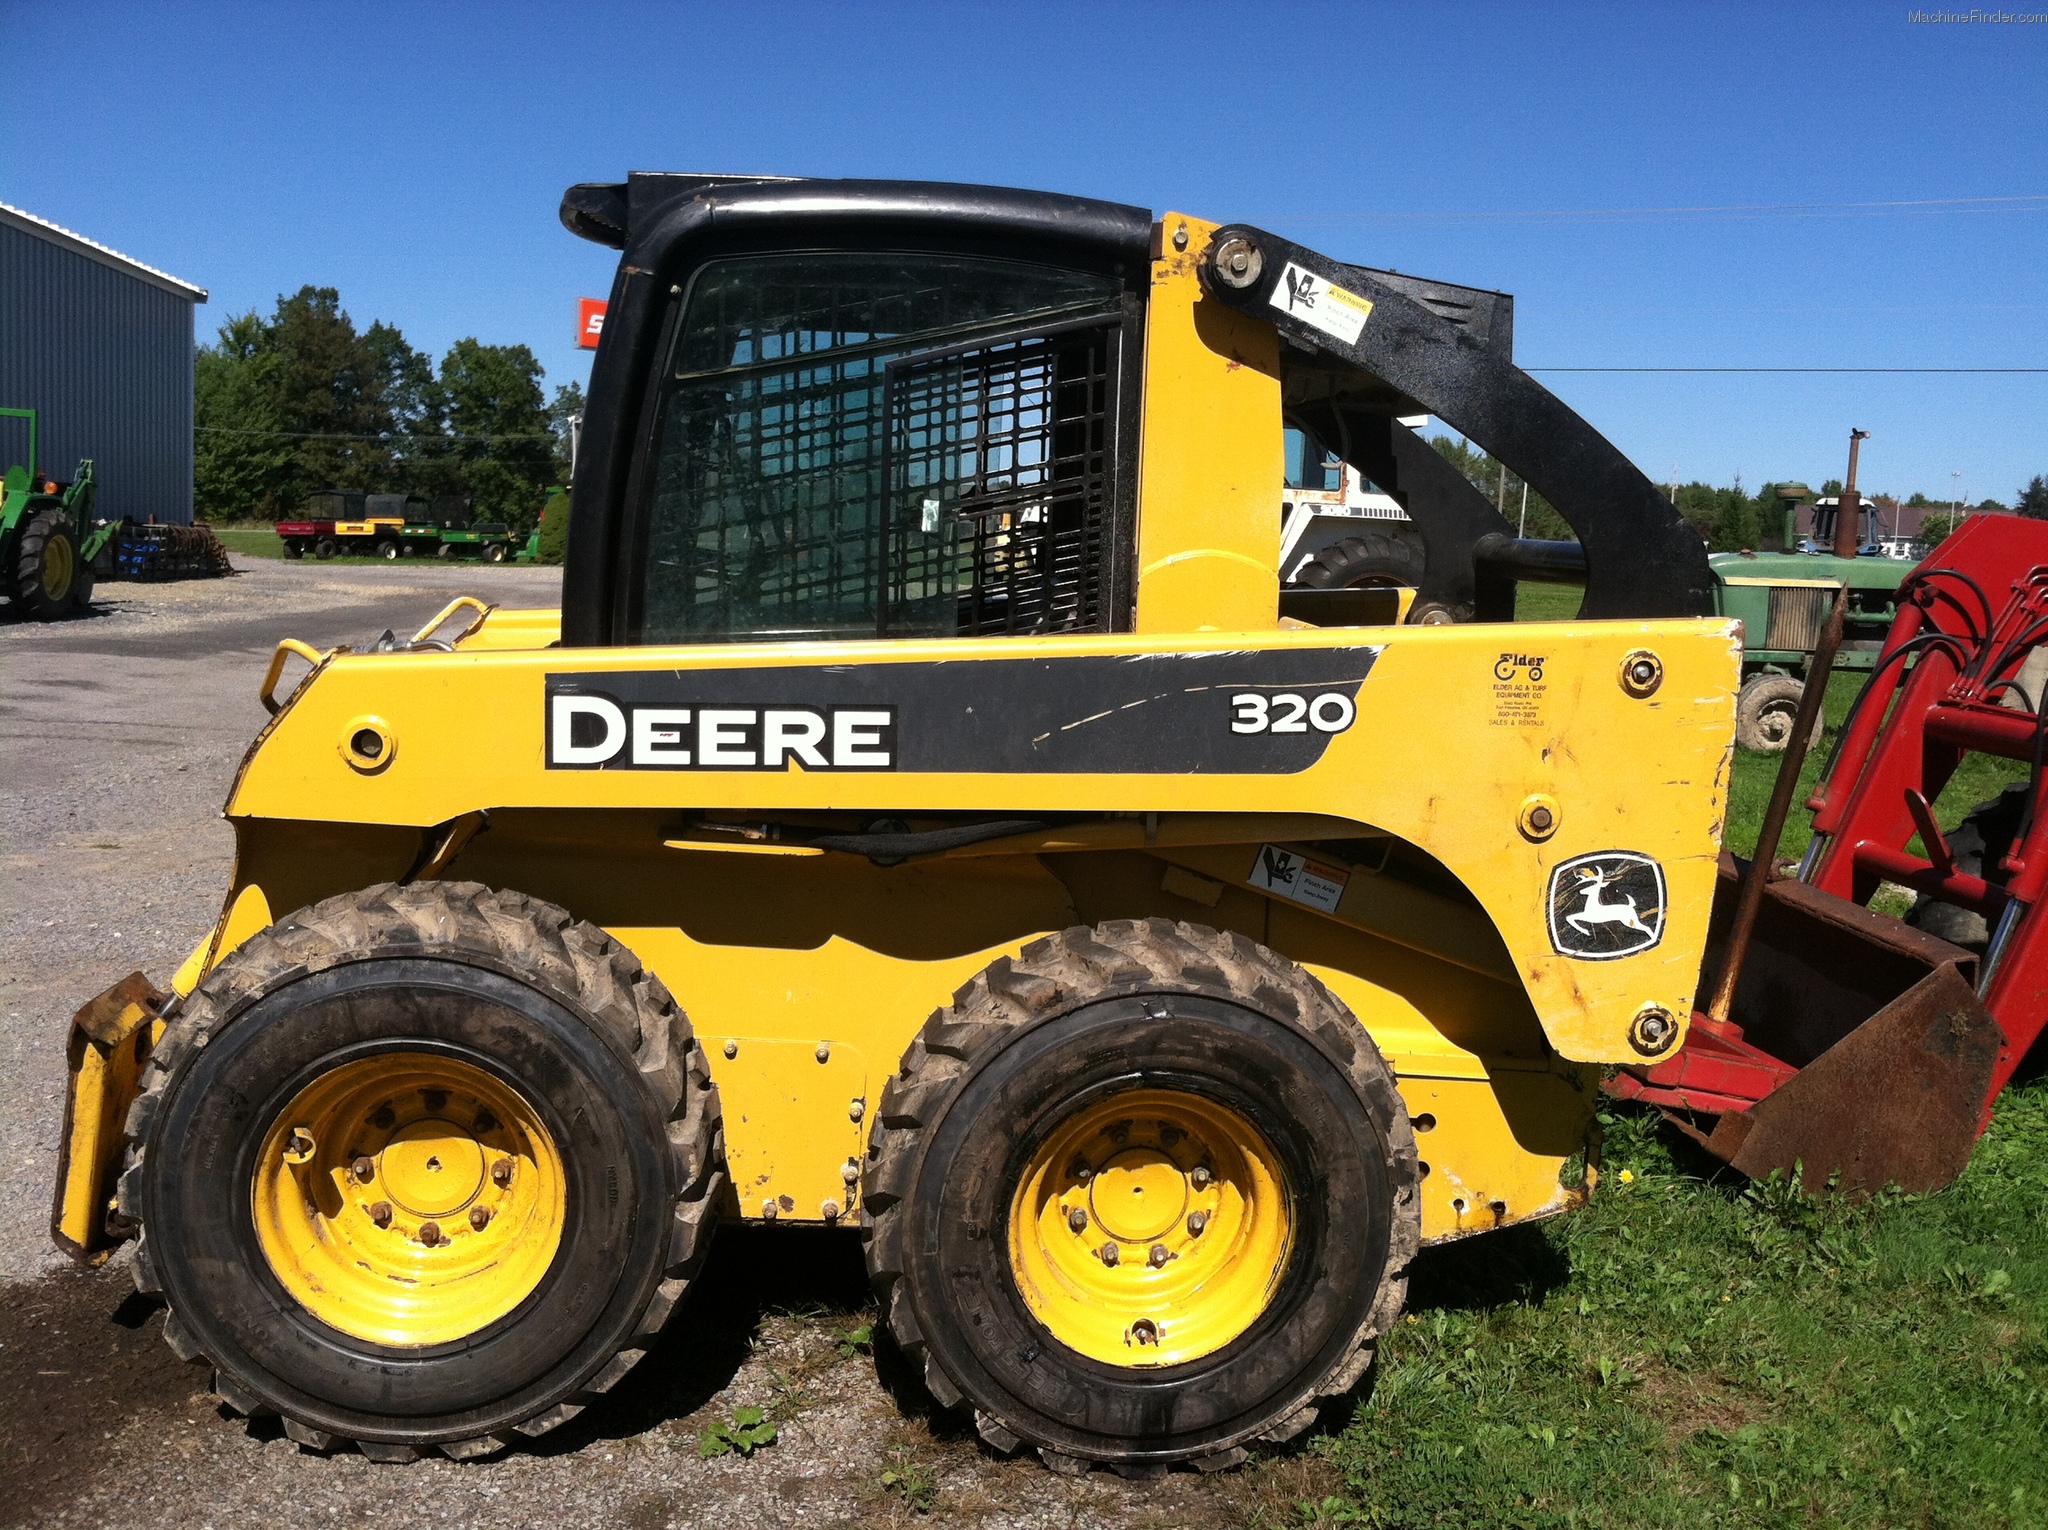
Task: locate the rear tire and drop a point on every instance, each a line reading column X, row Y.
column 357, row 996
column 1766, row 711
column 388, row 551
column 294, row 548
column 495, row 553
column 324, row 549
column 1373, row 560
column 47, row 567
column 964, row 1255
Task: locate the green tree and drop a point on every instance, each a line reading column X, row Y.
column 2033, row 499
column 554, row 529
column 242, row 460
column 500, row 435
column 1483, row 471
column 332, row 388
column 1938, row 525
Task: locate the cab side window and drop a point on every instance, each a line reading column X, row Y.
column 867, row 444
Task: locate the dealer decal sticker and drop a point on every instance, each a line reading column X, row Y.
column 1606, row 905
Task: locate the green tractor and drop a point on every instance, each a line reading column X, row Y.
column 47, row 540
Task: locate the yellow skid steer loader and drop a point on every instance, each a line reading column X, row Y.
column 928, row 816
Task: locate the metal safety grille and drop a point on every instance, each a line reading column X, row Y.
column 866, row 444
column 1002, row 478
column 1797, row 615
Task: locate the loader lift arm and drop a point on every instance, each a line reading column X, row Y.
column 1451, row 357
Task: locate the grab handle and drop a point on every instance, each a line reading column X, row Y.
column 285, row 650
column 449, row 610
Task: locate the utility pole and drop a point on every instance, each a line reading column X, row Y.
column 1674, row 483
column 1955, row 504
column 1523, row 529
column 1500, row 499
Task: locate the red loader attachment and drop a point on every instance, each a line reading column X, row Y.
column 1851, row 1044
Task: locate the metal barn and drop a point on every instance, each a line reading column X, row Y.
column 101, row 346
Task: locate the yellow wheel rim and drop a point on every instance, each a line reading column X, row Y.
column 1151, row 1228
column 409, row 1199
column 58, row 567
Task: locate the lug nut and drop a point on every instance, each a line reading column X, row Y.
column 364, row 1170
column 298, row 1147
column 1077, row 1219
column 436, row 1100
column 382, row 1118
column 430, row 1234
column 1199, row 1177
column 1120, row 1133
column 479, row 1217
column 1197, row 1220
column 380, row 1213
column 1168, row 1135
column 1159, row 1255
column 1108, row 1254
column 485, row 1122
column 501, row 1173
column 1083, row 1171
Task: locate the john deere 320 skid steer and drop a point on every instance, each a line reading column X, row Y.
column 927, row 816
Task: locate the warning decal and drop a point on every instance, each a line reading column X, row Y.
column 1336, row 312
column 1299, row 878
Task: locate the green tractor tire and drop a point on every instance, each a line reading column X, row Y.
column 50, row 578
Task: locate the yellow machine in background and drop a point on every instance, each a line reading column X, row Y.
column 927, row 815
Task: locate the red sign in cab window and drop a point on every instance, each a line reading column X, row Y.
column 589, row 322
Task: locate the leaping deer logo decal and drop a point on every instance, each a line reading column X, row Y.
column 1606, row 905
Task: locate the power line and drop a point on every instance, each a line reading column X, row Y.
column 1924, row 207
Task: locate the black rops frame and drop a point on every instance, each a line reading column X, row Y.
column 665, row 226
column 1640, row 558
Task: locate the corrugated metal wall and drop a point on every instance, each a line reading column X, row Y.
column 107, row 359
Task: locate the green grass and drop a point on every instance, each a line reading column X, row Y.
column 1697, row 1350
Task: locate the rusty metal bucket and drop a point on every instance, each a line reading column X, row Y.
column 1855, row 1049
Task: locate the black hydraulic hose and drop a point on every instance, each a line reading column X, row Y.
column 1912, row 645
column 1990, row 620
column 891, row 846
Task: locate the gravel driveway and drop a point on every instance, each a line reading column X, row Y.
column 121, row 732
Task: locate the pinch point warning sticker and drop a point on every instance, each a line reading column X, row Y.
column 1330, row 308
column 1299, row 878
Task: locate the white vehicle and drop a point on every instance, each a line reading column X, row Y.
column 1338, row 533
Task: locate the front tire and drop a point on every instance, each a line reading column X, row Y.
column 1005, row 1213
column 422, row 1167
column 1767, row 711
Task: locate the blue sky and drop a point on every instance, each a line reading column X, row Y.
column 413, row 156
